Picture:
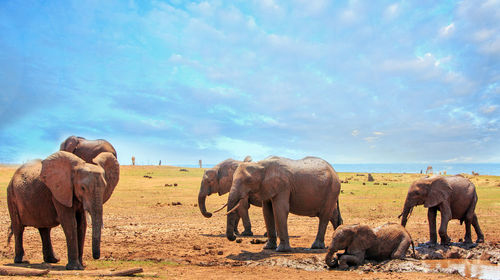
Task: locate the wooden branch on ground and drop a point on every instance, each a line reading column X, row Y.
column 23, row 271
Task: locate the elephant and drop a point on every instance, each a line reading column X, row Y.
column 58, row 190
column 306, row 187
column 219, row 180
column 454, row 196
column 86, row 149
column 360, row 242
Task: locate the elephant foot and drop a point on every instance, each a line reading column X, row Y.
column 74, row 266
column 270, row 245
column 20, row 260
column 318, row 245
column 236, row 232
column 445, row 241
column 343, row 266
column 247, row 233
column 51, row 259
column 468, row 240
column 284, row 248
column 480, row 239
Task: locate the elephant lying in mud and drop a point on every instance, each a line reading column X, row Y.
column 306, row 187
column 218, row 180
column 360, row 242
column 454, row 196
column 86, row 149
column 58, row 190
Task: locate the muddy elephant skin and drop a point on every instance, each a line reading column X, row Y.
column 360, row 242
column 86, row 149
column 58, row 190
column 454, row 196
column 306, row 187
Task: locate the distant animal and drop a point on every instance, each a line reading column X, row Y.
column 370, row 178
column 454, row 196
column 218, row 180
column 360, row 242
column 428, row 170
column 58, row 190
column 133, row 160
column 306, row 187
column 86, row 149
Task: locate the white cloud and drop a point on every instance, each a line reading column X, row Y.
column 447, row 30
column 355, row 133
column 392, row 11
column 489, row 109
column 378, row 133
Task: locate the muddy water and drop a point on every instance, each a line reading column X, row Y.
column 468, row 268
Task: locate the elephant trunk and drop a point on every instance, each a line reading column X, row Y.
column 96, row 215
column 329, row 258
column 408, row 208
column 202, row 196
column 231, row 217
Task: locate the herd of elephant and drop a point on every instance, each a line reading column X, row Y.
column 83, row 174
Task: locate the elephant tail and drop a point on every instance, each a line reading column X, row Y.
column 413, row 247
column 9, row 236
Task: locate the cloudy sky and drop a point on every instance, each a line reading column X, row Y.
column 349, row 81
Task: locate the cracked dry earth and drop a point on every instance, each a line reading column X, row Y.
column 146, row 226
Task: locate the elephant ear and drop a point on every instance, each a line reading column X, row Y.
column 438, row 191
column 364, row 238
column 57, row 175
column 111, row 167
column 69, row 145
column 274, row 181
column 247, row 159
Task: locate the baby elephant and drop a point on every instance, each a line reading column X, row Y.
column 389, row 241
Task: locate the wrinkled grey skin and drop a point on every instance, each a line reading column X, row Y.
column 306, row 187
column 454, row 196
column 218, row 180
column 86, row 149
column 58, row 190
column 389, row 241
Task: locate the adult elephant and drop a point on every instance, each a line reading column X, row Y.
column 219, row 180
column 454, row 196
column 86, row 149
column 58, row 190
column 360, row 242
column 306, row 187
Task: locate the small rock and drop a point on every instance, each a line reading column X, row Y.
column 176, row 203
column 175, row 184
column 147, row 176
column 351, row 193
column 239, row 240
column 257, row 241
column 376, row 183
column 364, row 183
column 220, row 253
column 196, row 247
column 385, row 184
column 183, row 170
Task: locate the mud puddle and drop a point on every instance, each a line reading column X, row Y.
column 468, row 268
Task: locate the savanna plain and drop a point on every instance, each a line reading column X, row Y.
column 150, row 224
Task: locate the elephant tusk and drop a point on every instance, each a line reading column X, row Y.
column 223, row 206
column 234, row 208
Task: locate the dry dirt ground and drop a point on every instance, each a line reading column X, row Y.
column 144, row 226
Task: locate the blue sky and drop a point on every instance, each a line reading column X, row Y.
column 349, row 81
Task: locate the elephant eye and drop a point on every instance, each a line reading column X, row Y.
column 83, row 188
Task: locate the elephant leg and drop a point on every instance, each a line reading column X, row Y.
column 319, row 242
column 267, row 209
column 475, row 224
column 18, row 231
column 431, row 217
column 346, row 259
column 81, row 222
column 243, row 212
column 68, row 222
column 48, row 251
column 281, row 209
column 236, row 223
column 468, row 238
column 445, row 218
column 400, row 251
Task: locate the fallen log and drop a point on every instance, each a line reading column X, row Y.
column 21, row 271
column 99, row 273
